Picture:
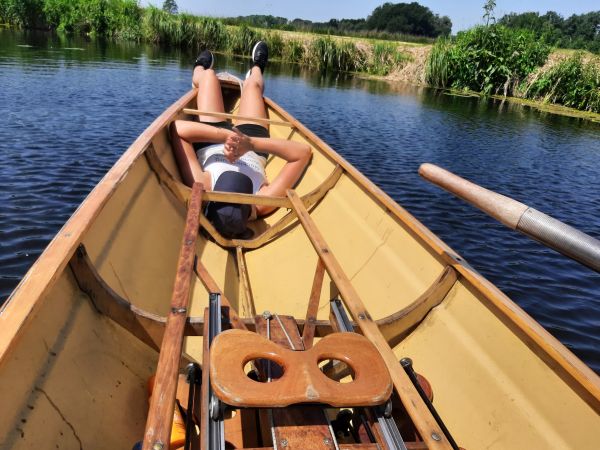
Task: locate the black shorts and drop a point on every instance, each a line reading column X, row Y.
column 249, row 129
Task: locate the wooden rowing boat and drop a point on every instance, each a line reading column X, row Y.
column 79, row 337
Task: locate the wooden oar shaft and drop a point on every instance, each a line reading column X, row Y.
column 237, row 117
column 517, row 216
column 160, row 416
column 420, row 415
column 500, row 207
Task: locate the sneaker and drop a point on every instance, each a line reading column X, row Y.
column 260, row 55
column 205, row 59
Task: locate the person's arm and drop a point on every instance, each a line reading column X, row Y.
column 296, row 154
column 183, row 134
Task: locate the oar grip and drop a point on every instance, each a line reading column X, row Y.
column 535, row 224
column 561, row 237
column 501, row 208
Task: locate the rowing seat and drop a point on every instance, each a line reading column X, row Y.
column 302, row 380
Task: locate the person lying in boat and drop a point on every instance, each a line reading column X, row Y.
column 232, row 159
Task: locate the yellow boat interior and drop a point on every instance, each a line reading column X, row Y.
column 80, row 336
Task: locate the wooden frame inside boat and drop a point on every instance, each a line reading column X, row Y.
column 79, row 335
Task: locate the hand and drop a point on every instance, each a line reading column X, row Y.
column 237, row 144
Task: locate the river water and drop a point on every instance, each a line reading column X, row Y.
column 70, row 107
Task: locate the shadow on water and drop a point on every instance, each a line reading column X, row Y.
column 71, row 106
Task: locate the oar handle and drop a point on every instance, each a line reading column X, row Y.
column 500, row 207
column 517, row 216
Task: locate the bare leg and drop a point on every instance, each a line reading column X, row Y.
column 209, row 97
column 185, row 133
column 252, row 103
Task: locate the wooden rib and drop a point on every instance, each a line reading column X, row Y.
column 29, row 295
column 149, row 327
column 160, row 415
column 248, row 308
column 146, row 326
column 308, row 333
column 179, row 190
column 414, row 405
column 211, row 286
column 246, row 199
column 236, row 117
column 396, row 325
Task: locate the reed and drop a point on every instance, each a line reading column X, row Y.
column 437, row 66
column 384, row 59
column 488, row 59
column 573, row 82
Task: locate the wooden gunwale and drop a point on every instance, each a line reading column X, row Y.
column 554, row 354
column 28, row 296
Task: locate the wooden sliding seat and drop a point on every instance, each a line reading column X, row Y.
column 302, row 380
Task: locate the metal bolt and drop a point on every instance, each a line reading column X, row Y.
column 361, row 316
column 327, row 441
column 283, row 442
column 266, row 315
column 158, row 446
column 436, row 437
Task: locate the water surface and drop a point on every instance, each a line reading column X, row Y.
column 69, row 108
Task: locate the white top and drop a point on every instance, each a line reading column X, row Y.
column 212, row 159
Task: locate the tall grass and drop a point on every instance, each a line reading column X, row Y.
column 573, row 82
column 489, row 59
column 385, row 58
column 125, row 19
column 437, row 66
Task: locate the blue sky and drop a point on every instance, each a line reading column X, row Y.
column 463, row 13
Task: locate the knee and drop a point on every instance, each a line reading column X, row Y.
column 252, row 83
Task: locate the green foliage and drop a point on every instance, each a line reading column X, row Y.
column 183, row 30
column 572, row 82
column 324, row 53
column 170, row 6
column 488, row 11
column 438, row 63
column 276, row 44
column 580, row 31
column 293, row 51
column 489, row 59
column 409, row 18
column 240, row 40
column 384, row 59
column 22, row 13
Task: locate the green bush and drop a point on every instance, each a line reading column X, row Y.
column 489, row 59
column 572, row 82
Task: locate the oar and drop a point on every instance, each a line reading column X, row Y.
column 517, row 216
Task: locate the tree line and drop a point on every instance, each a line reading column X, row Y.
column 389, row 18
column 579, row 31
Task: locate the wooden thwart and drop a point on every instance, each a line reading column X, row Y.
column 411, row 400
column 236, row 117
column 160, row 416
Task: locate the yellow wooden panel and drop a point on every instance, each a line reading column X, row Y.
column 490, row 388
column 75, row 380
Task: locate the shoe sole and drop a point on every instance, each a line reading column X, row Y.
column 254, row 49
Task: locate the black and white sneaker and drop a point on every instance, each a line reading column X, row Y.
column 205, row 59
column 260, row 55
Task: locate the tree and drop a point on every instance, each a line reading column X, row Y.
column 408, row 18
column 488, row 11
column 170, row 6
